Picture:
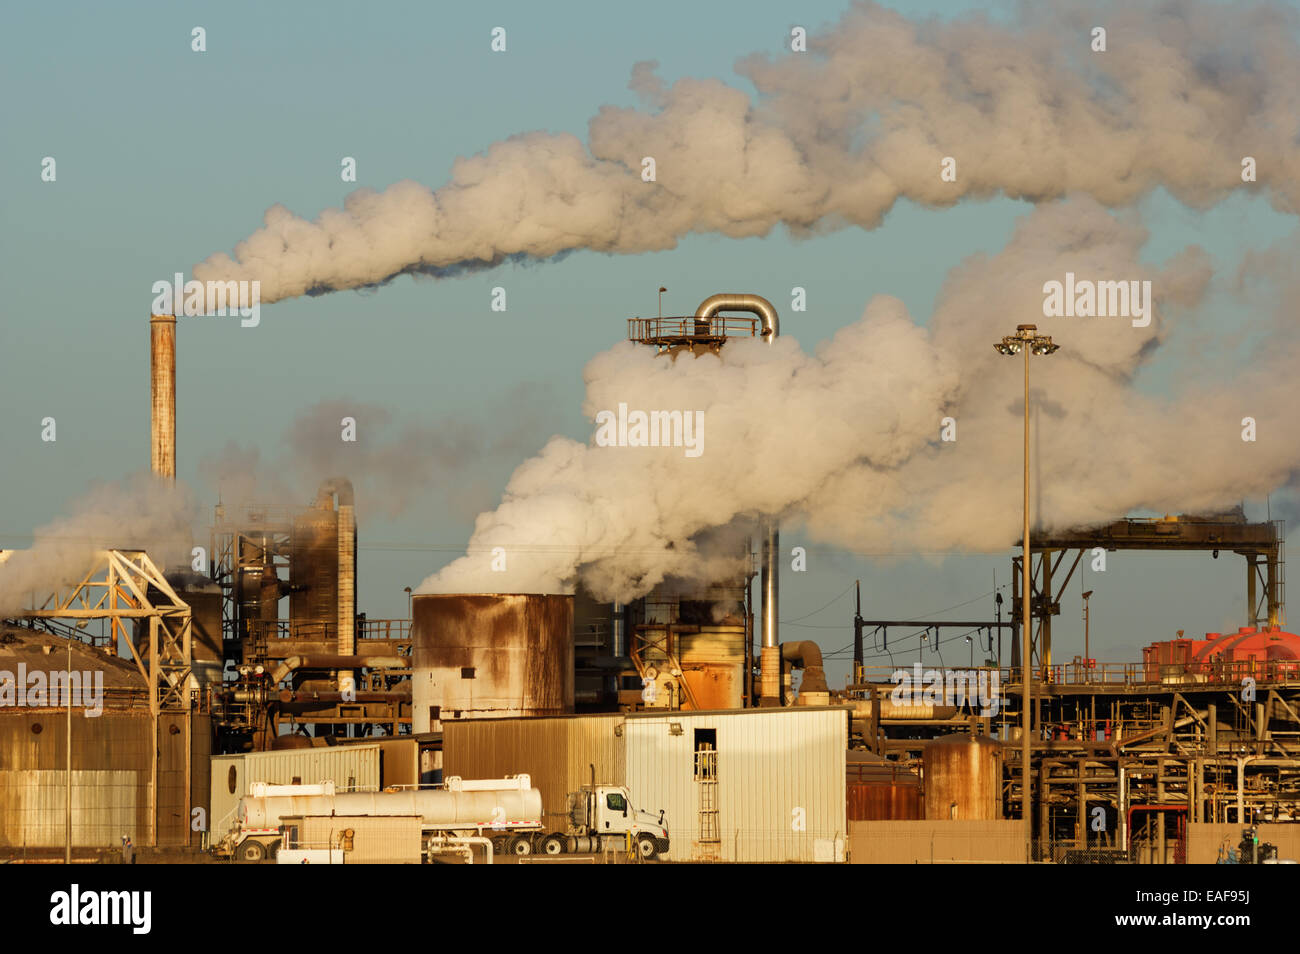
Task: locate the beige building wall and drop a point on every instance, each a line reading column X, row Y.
column 936, row 842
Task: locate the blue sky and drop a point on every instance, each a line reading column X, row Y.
column 166, row 156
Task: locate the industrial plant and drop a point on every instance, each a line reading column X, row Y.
column 251, row 711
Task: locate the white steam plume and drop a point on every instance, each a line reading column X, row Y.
column 847, row 440
column 836, row 137
column 139, row 513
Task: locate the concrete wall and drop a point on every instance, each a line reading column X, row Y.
column 936, row 842
column 1204, row 840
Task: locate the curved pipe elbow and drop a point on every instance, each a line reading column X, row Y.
column 806, row 655
column 754, row 304
column 339, row 487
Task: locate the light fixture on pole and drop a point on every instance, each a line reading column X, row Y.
column 1027, row 340
column 661, row 300
column 1087, row 656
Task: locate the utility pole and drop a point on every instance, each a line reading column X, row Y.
column 1087, row 656
column 859, row 670
column 67, row 813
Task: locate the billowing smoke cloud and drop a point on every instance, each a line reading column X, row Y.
column 847, row 441
column 390, row 461
column 137, row 513
column 836, row 136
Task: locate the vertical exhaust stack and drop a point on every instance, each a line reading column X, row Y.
column 162, row 366
column 341, row 488
column 770, row 661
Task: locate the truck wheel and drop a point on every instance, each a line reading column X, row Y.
column 645, row 848
column 251, row 851
column 553, row 844
column 520, row 845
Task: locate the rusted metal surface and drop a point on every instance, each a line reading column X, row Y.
column 881, row 790
column 162, row 368
column 963, row 778
column 480, row 655
column 111, row 777
column 315, row 568
column 884, row 801
column 713, row 663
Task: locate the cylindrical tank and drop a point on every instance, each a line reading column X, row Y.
column 963, row 778
column 480, row 655
column 436, row 807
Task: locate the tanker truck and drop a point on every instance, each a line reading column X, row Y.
column 462, row 809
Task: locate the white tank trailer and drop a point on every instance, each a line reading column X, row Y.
column 462, row 807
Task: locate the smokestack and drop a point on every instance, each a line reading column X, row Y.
column 162, row 365
column 770, row 684
column 347, row 556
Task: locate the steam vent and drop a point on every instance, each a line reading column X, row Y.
column 481, row 655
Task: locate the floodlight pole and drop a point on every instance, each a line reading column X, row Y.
column 1028, row 340
column 1026, row 671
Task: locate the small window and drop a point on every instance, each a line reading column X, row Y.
column 467, row 672
column 297, row 780
column 616, row 802
column 706, row 755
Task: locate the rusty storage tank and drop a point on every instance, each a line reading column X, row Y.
column 877, row 789
column 478, row 655
column 963, row 778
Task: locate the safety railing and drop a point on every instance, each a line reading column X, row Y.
column 668, row 330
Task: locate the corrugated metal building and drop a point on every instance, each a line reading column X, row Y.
column 559, row 752
column 350, row 767
column 752, row 785
column 114, row 791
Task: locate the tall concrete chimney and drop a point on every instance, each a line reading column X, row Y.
column 162, row 364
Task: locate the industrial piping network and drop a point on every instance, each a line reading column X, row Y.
column 770, row 661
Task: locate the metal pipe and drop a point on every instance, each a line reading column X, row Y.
column 771, row 585
column 806, row 655
column 293, row 663
column 754, row 304
column 162, row 367
column 771, row 327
